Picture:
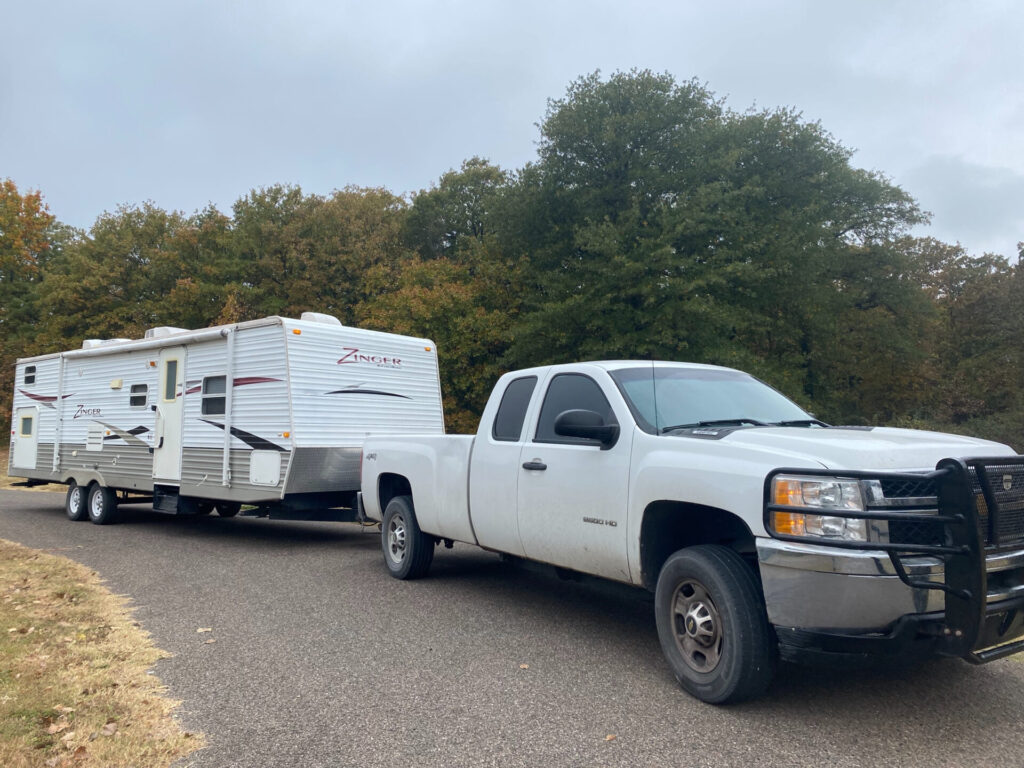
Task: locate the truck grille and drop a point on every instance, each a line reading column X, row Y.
column 1005, row 485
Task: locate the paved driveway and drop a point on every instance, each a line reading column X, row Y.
column 321, row 659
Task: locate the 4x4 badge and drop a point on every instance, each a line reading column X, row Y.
column 1007, row 482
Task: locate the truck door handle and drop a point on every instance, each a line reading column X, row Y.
column 538, row 465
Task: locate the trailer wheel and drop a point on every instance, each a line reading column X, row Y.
column 228, row 508
column 712, row 625
column 408, row 552
column 75, row 502
column 102, row 504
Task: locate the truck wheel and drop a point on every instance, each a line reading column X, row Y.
column 712, row 625
column 102, row 504
column 408, row 552
column 75, row 501
column 228, row 508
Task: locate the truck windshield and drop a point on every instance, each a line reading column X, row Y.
column 694, row 397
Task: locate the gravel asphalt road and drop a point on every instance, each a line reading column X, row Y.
column 321, row 659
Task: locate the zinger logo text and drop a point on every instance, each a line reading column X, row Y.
column 353, row 355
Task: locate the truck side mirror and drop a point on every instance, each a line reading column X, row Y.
column 588, row 425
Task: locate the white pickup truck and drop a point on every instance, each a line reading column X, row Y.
column 763, row 532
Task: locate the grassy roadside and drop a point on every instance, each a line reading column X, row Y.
column 74, row 683
column 5, row 481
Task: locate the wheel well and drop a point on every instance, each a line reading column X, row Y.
column 390, row 485
column 669, row 526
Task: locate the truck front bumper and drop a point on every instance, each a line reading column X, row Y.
column 958, row 590
column 827, row 601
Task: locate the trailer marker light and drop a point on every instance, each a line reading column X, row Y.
column 286, row 434
column 426, row 349
column 296, row 331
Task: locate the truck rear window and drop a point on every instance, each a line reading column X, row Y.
column 508, row 423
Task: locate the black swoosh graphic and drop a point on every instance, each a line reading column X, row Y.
column 354, row 391
column 254, row 441
column 120, row 434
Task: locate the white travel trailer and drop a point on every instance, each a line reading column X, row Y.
column 270, row 412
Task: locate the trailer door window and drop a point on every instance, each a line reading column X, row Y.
column 138, row 396
column 213, row 395
column 26, row 426
column 30, row 374
column 170, row 380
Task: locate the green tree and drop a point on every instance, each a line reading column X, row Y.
column 659, row 224
column 326, row 254
column 457, row 208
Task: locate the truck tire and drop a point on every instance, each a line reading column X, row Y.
column 102, row 504
column 408, row 552
column 227, row 508
column 712, row 625
column 75, row 502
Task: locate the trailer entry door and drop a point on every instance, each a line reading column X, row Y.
column 170, row 412
column 25, row 430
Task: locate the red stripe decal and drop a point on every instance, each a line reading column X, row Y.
column 238, row 383
column 253, row 380
column 43, row 398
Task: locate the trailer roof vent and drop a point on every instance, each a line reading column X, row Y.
column 320, row 317
column 164, row 330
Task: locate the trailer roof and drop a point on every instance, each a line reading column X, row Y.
column 177, row 339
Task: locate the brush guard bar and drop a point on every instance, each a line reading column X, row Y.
column 969, row 627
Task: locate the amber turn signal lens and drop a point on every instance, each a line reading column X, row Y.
column 296, row 331
column 788, row 493
column 789, row 523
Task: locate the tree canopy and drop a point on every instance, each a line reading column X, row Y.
column 654, row 222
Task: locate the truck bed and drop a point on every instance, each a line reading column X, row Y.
column 437, row 466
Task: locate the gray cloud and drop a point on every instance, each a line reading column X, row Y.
column 188, row 102
column 982, row 207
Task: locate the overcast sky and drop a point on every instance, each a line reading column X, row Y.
column 185, row 103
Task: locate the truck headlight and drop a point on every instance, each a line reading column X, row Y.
column 819, row 494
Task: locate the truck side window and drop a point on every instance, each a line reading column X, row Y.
column 213, row 395
column 30, row 374
column 566, row 392
column 508, row 423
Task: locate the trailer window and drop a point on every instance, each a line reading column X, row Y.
column 170, row 380
column 30, row 374
column 138, row 396
column 26, row 426
column 213, row 395
column 508, row 422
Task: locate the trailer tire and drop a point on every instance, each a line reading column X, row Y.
column 408, row 552
column 75, row 502
column 102, row 504
column 228, row 508
column 712, row 625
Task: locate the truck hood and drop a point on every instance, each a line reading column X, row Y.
column 865, row 448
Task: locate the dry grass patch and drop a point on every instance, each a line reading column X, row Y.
column 6, row 482
column 74, row 683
